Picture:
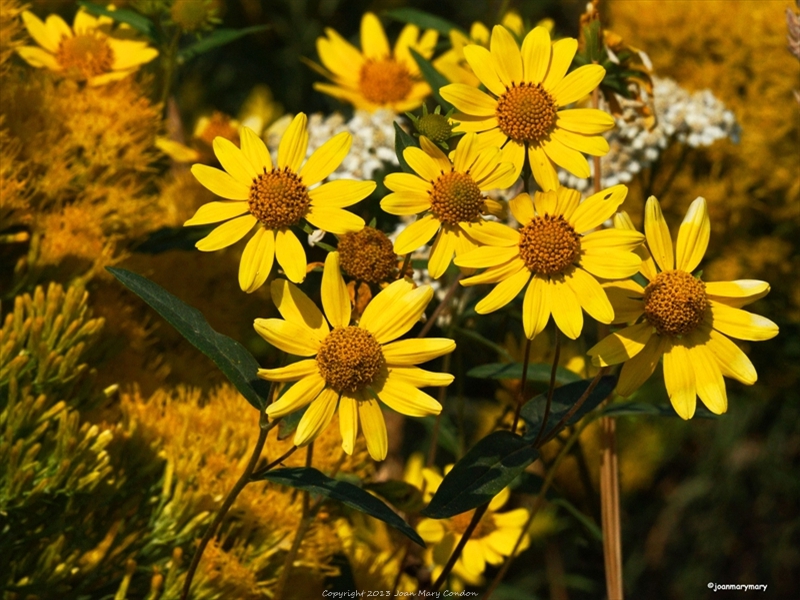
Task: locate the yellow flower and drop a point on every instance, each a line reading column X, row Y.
column 276, row 198
column 526, row 91
column 556, row 259
column 685, row 319
column 374, row 77
column 450, row 193
column 85, row 52
column 354, row 365
column 493, row 539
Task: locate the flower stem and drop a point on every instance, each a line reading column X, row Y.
column 575, row 407
column 442, row 305
column 437, row 425
column 451, row 562
column 274, row 463
column 551, row 389
column 523, row 384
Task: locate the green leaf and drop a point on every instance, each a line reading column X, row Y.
column 403, row 140
column 230, row 356
column 593, row 35
column 583, row 519
column 122, row 15
column 313, row 481
column 218, row 38
column 423, row 20
column 435, row 79
column 564, row 398
column 488, row 467
column 289, row 423
column 399, row 494
column 627, row 409
column 536, row 372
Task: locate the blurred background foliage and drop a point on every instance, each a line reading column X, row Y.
column 101, row 428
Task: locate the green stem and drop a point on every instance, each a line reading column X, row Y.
column 476, row 517
column 523, row 384
column 551, row 389
column 169, row 67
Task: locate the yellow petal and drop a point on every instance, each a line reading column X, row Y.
column 130, row 54
column 708, row 379
column 536, row 55
column 505, row 56
column 287, row 336
column 414, row 351
column 472, row 558
column 473, row 124
column 638, row 369
column 590, row 295
column 522, row 208
column 406, row 182
column 492, row 233
column 348, row 422
column 297, row 308
column 627, row 303
column 443, row 163
column 486, row 256
column 417, row 234
column 731, row 360
column 442, row 251
column 252, row 259
column 563, row 52
column 406, row 399
column 407, row 39
column 495, row 274
column 587, row 121
column 480, row 60
column 577, row 84
column 658, row 238
column 405, row 203
column 467, row 153
column 317, row 418
column 296, row 397
column 543, row 170
column 41, row 34
column 292, row 372
column 83, row 22
column 610, row 264
column 594, row 145
column 620, row 240
column 566, row 309
column 226, row 234
column 469, row 100
column 680, row 382
column 567, row 158
column 220, row 183
column 419, row 377
column 483, row 164
column 536, row 307
column 214, row 212
column 598, row 208
column 234, row 162
column 545, row 202
column 334, row 220
column 693, row 237
column 290, row 255
column 741, row 324
column 501, row 177
column 294, row 144
column 340, row 193
column 422, row 163
column 373, row 38
column 737, row 293
column 338, row 55
column 567, row 202
column 326, row 159
column 36, row 57
column 255, row 150
column 503, row 293
column 388, row 319
column 621, row 345
column 374, row 427
column 430, row 530
column 335, row 299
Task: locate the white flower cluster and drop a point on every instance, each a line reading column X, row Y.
column 694, row 119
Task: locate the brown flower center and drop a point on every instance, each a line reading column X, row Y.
column 675, row 303
column 367, row 255
column 278, row 198
column 349, row 359
column 456, row 198
column 385, row 81
column 526, row 113
column 85, row 55
column 548, row 244
column 218, row 125
column 486, row 525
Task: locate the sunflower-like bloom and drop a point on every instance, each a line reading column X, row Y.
column 86, row 52
column 376, row 77
column 493, row 539
column 451, row 195
column 275, row 199
column 354, row 366
column 682, row 318
column 552, row 254
column 528, row 89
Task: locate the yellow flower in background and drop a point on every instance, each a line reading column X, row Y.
column 527, row 90
column 375, row 77
column 354, row 366
column 556, row 259
column 493, row 539
column 275, row 198
column 451, row 195
column 686, row 320
column 87, row 51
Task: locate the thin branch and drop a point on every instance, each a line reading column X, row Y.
column 551, row 389
column 275, row 462
column 523, row 384
column 451, row 562
column 442, row 305
column 575, row 407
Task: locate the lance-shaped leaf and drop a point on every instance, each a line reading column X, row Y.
column 313, row 481
column 488, row 467
column 423, row 20
column 230, row 356
column 564, row 398
column 122, row 15
column 403, row 140
column 218, row 38
column 435, row 79
column 536, row 372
